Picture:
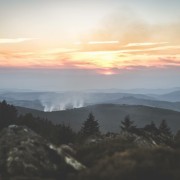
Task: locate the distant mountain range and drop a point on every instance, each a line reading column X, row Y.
column 110, row 116
column 159, row 91
column 131, row 100
column 53, row 101
column 173, row 96
column 109, row 108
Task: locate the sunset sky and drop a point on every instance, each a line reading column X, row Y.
column 78, row 44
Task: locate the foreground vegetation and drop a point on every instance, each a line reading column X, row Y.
column 134, row 153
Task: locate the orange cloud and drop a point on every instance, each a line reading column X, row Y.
column 107, row 62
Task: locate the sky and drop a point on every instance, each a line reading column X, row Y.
column 77, row 45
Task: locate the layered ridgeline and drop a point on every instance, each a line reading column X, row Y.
column 109, row 116
column 55, row 101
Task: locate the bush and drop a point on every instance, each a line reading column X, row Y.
column 90, row 154
column 137, row 164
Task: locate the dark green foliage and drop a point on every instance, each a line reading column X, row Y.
column 151, row 128
column 63, row 135
column 57, row 134
column 137, row 164
column 8, row 114
column 177, row 139
column 90, row 127
column 90, row 154
column 127, row 124
column 115, row 156
column 164, row 129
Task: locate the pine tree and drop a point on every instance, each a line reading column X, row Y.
column 90, row 127
column 164, row 129
column 151, row 128
column 127, row 124
column 177, row 139
column 8, row 114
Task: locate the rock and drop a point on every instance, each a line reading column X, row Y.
column 70, row 160
column 145, row 139
column 25, row 154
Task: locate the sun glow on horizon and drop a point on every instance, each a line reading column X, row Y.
column 107, row 72
column 142, row 54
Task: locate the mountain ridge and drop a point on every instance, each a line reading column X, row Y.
column 110, row 116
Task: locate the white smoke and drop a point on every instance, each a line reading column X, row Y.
column 61, row 101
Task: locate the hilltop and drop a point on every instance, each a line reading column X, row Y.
column 109, row 116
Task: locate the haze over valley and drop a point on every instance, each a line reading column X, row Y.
column 55, row 101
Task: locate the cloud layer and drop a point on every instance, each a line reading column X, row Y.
column 15, row 40
column 123, row 40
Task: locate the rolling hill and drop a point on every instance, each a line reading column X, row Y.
column 109, row 116
column 54, row 101
column 131, row 100
column 173, row 96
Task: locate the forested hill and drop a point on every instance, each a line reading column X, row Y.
column 109, row 116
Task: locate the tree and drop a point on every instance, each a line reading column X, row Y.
column 63, row 134
column 90, row 127
column 151, row 128
column 57, row 134
column 8, row 114
column 164, row 129
column 127, row 124
column 177, row 139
